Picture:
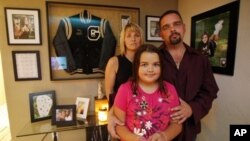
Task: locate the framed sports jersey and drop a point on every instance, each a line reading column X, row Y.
column 82, row 37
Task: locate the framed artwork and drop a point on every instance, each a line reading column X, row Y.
column 125, row 19
column 82, row 51
column 26, row 65
column 23, row 26
column 64, row 115
column 82, row 105
column 153, row 28
column 214, row 34
column 41, row 105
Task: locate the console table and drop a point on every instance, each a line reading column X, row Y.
column 95, row 130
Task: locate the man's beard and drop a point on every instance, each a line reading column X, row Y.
column 176, row 40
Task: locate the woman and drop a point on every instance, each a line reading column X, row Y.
column 119, row 68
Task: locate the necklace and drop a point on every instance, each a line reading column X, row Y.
column 178, row 55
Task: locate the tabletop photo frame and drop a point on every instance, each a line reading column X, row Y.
column 41, row 105
column 64, row 115
column 23, row 26
column 82, row 105
column 153, row 29
column 218, row 27
column 26, row 65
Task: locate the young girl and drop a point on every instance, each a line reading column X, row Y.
column 144, row 102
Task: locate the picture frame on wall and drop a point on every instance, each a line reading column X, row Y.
column 23, row 26
column 72, row 57
column 153, row 29
column 214, row 34
column 82, row 105
column 125, row 19
column 41, row 105
column 64, row 115
column 26, row 65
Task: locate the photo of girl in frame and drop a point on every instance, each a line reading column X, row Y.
column 214, row 34
column 212, row 38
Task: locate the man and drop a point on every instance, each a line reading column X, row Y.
column 191, row 74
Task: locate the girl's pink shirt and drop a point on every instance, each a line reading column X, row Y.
column 146, row 113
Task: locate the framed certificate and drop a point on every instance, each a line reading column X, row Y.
column 26, row 65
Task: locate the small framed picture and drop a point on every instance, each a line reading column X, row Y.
column 26, row 65
column 64, row 115
column 41, row 105
column 23, row 26
column 153, row 28
column 82, row 105
column 125, row 19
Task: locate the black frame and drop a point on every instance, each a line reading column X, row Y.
column 224, row 58
column 22, row 62
column 46, row 96
column 17, row 15
column 152, row 24
column 62, row 108
column 59, row 10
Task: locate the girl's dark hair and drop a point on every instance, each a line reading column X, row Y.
column 136, row 64
column 205, row 33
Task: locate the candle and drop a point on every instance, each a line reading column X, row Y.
column 101, row 104
column 103, row 114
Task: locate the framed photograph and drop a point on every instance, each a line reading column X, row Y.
column 153, row 28
column 83, row 50
column 125, row 19
column 23, row 26
column 82, row 105
column 214, row 34
column 26, row 65
column 64, row 115
column 41, row 105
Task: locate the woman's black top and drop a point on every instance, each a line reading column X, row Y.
column 123, row 73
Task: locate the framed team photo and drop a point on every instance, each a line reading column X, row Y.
column 91, row 38
column 214, row 34
column 23, row 26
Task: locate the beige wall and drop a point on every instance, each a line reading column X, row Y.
column 2, row 93
column 66, row 91
column 232, row 104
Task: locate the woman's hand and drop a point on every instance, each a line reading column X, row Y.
column 112, row 122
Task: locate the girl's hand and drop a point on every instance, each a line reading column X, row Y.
column 157, row 137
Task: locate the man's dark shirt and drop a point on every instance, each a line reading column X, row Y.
column 195, row 84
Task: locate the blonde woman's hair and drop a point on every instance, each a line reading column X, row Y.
column 130, row 27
